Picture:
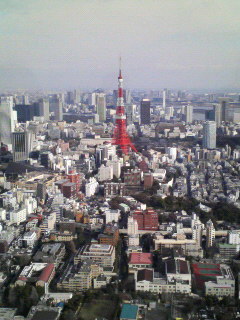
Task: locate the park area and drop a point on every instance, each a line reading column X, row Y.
column 99, row 308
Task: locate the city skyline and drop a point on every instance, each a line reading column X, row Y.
column 69, row 44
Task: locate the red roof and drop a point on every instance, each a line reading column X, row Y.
column 141, row 258
column 46, row 273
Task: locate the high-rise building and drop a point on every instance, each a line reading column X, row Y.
column 101, row 106
column 77, row 96
column 57, row 106
column 44, row 108
column 25, row 99
column 129, row 113
column 164, row 98
column 8, row 119
column 224, row 108
column 209, row 135
column 145, row 111
column 25, row 112
column 217, row 109
column 210, row 234
column 21, row 145
column 188, row 113
column 70, row 97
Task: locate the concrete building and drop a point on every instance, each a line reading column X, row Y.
column 210, row 234
column 176, row 279
column 105, row 173
column 44, row 108
column 103, row 255
column 8, row 119
column 91, row 187
column 132, row 177
column 57, row 107
column 132, row 226
column 19, row 215
column 101, row 106
column 209, row 135
column 22, row 142
column 188, row 113
column 112, row 215
column 147, row 220
column 145, row 111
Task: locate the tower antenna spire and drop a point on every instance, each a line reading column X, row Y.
column 120, row 135
column 120, row 67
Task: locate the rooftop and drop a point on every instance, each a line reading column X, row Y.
column 141, row 258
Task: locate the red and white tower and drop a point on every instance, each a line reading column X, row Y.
column 120, row 135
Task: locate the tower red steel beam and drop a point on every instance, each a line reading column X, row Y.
column 120, row 135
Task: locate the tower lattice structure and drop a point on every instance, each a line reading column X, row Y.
column 120, row 135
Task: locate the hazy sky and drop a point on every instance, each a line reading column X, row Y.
column 76, row 43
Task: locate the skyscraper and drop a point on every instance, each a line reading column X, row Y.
column 8, row 119
column 57, row 106
column 224, row 108
column 44, row 108
column 21, row 145
column 145, row 111
column 217, row 114
column 209, row 135
column 188, row 113
column 26, row 112
column 101, row 106
column 164, row 98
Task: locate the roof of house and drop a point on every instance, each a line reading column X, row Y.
column 177, row 266
column 141, row 258
column 145, row 274
column 129, row 311
column 46, row 273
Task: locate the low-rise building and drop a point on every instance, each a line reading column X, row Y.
column 102, row 254
column 139, row 260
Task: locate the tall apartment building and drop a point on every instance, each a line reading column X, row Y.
column 44, row 108
column 188, row 113
column 209, row 135
column 210, row 234
column 57, row 107
column 147, row 220
column 132, row 177
column 101, row 106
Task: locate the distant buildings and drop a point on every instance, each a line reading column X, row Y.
column 209, row 135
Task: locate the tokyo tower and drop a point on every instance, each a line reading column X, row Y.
column 120, row 135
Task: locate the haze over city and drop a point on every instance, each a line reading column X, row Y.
column 67, row 44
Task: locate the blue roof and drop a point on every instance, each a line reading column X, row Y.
column 129, row 311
